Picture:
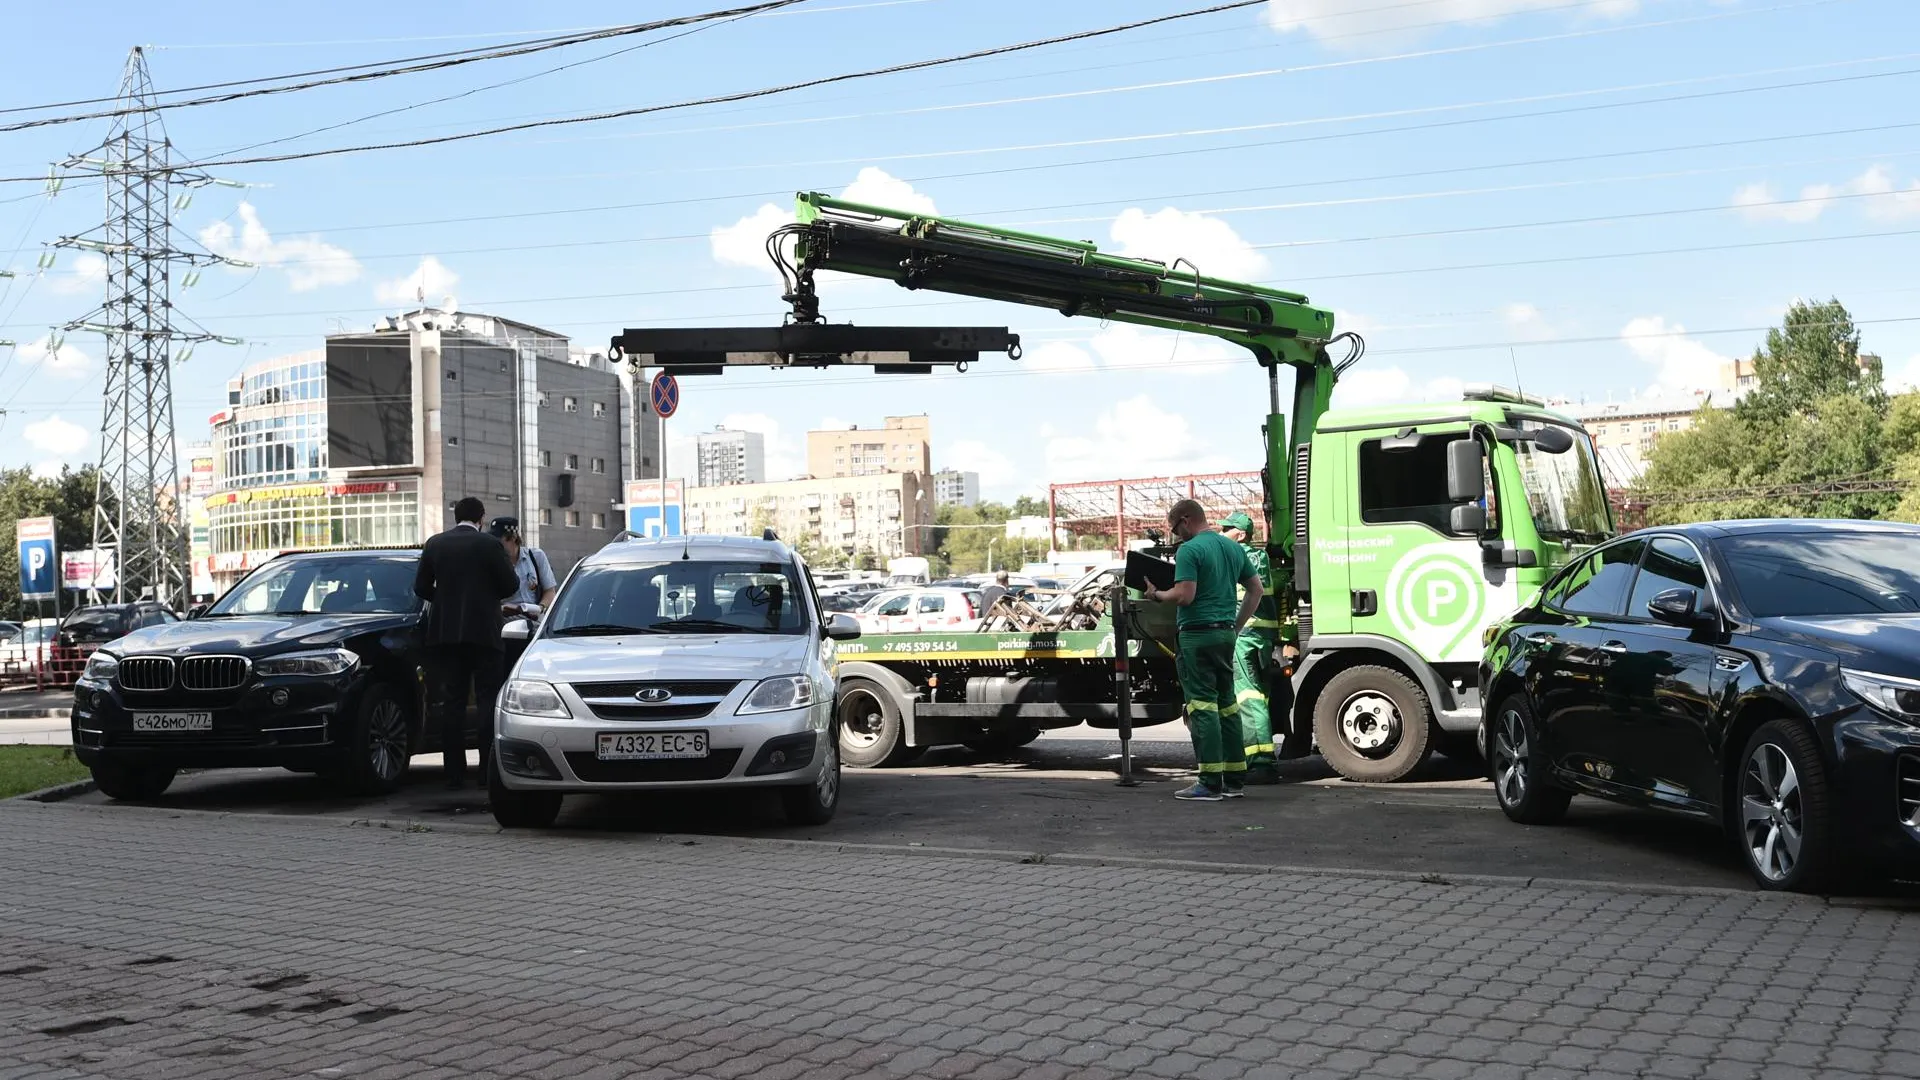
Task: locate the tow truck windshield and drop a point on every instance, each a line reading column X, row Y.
column 1565, row 495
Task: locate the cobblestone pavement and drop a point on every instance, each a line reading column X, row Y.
column 151, row 943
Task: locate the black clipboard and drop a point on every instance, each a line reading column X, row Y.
column 1144, row 569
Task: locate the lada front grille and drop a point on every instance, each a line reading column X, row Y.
column 686, row 699
column 146, row 674
column 213, row 672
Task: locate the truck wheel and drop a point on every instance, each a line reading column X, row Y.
column 132, row 783
column 1373, row 724
column 872, row 735
column 1004, row 741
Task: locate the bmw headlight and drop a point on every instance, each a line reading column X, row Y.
column 531, row 697
column 316, row 662
column 103, row 666
column 1888, row 693
column 779, row 693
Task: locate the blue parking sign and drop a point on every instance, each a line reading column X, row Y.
column 39, row 566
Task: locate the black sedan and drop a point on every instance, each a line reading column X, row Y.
column 311, row 662
column 1761, row 675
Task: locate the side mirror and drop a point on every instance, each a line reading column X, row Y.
column 516, row 630
column 1678, row 607
column 197, row 610
column 842, row 627
column 1553, row 440
column 1467, row 519
column 1466, row 471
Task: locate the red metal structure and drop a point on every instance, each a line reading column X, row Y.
column 1126, row 509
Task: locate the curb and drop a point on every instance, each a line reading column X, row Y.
column 1031, row 858
column 36, row 714
column 59, row 792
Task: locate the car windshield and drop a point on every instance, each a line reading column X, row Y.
column 1828, row 573
column 1565, row 494
column 357, row 584
column 680, row 597
column 92, row 625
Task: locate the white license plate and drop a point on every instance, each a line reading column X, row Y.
column 173, row 721
column 651, row 745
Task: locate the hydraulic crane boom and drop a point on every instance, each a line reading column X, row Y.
column 1074, row 278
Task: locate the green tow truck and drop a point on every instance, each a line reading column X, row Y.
column 1396, row 534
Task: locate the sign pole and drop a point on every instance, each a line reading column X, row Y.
column 663, row 476
column 665, row 394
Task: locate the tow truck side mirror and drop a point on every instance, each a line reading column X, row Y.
column 1466, row 473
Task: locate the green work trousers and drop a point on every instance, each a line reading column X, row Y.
column 1252, row 670
column 1205, row 666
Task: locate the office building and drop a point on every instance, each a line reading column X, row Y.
column 902, row 445
column 731, row 457
column 371, row 439
column 887, row 514
column 643, row 440
column 954, row 488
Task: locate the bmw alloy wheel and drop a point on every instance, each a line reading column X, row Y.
column 387, row 738
column 1370, row 723
column 1510, row 758
column 1772, row 819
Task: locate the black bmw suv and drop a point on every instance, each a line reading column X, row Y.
column 1762, row 675
column 311, row 662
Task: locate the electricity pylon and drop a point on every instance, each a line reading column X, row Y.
column 137, row 512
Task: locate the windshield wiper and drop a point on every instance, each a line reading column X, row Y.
column 713, row 625
column 601, row 629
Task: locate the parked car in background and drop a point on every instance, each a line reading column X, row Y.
column 27, row 652
column 1760, row 675
column 920, row 610
column 311, row 662
column 86, row 629
column 640, row 677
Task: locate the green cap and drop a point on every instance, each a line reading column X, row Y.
column 1238, row 520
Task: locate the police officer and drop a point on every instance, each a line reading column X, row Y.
column 1205, row 570
column 1253, row 661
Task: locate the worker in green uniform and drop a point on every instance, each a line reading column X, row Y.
column 1253, row 660
column 1206, row 568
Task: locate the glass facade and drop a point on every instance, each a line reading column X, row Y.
column 276, row 431
column 316, row 516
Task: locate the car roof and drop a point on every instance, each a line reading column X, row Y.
column 655, row 549
column 1790, row 526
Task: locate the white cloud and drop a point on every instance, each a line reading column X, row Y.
column 1526, row 323
column 310, row 262
column 834, row 423
column 1134, row 438
column 1126, row 346
column 744, row 243
column 429, row 283
column 1343, row 20
column 88, row 272
column 1207, row 242
column 57, row 437
column 1878, row 192
column 49, row 470
column 1682, row 364
column 785, row 458
column 1906, row 378
column 1057, row 358
column 65, row 362
column 996, row 469
column 1365, row 386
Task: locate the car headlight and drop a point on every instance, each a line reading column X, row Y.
column 1888, row 693
column 316, row 662
column 103, row 666
column 779, row 693
column 531, row 697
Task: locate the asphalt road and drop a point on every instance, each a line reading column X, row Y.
column 1058, row 796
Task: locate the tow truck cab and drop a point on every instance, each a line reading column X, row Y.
column 1421, row 525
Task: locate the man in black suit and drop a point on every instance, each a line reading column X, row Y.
column 464, row 575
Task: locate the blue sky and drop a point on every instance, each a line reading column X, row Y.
column 1475, row 185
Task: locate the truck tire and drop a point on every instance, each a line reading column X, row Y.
column 1373, row 724
column 872, row 732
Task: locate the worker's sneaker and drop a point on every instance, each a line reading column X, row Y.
column 1262, row 774
column 1234, row 793
column 1199, row 793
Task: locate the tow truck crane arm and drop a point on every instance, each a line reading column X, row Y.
column 1280, row 329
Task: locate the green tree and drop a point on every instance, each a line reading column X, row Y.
column 1812, row 356
column 68, row 499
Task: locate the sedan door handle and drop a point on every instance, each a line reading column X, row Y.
column 1614, row 647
